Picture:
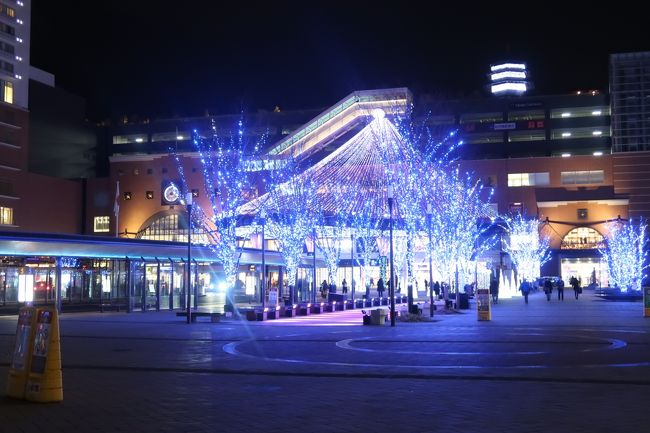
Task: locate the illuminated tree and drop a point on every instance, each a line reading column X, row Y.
column 290, row 206
column 225, row 183
column 528, row 248
column 626, row 253
column 459, row 236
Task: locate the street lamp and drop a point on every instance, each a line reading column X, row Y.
column 263, row 220
column 391, row 286
column 188, row 203
column 313, row 292
column 429, row 215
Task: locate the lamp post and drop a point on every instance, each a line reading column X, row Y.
column 313, row 292
column 391, row 286
column 188, row 203
column 429, row 215
column 263, row 266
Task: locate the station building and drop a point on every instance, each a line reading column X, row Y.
column 550, row 157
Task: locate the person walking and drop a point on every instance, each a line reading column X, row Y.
column 494, row 290
column 548, row 288
column 436, row 289
column 344, row 286
column 560, row 290
column 575, row 283
column 380, row 287
column 525, row 289
column 323, row 289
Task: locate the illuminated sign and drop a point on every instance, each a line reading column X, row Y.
column 508, row 79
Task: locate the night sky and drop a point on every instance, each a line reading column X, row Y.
column 164, row 59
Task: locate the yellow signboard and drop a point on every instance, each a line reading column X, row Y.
column 483, row 304
column 35, row 372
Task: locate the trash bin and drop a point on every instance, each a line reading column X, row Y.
column 378, row 316
column 463, row 301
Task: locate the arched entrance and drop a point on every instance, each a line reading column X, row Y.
column 580, row 257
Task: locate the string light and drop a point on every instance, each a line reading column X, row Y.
column 626, row 254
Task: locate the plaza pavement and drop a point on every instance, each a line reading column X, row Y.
column 572, row 366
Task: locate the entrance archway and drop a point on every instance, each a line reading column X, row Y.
column 582, row 258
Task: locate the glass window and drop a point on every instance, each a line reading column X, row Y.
column 526, row 115
column 171, row 136
column 564, row 113
column 126, row 139
column 578, row 177
column 7, row 89
column 591, row 132
column 538, row 135
column 102, row 224
column 481, row 117
column 486, row 137
column 582, row 238
column 6, row 216
column 528, row 179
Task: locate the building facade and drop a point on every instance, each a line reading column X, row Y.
column 547, row 157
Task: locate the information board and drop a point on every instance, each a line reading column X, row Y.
column 483, row 304
column 23, row 334
column 41, row 341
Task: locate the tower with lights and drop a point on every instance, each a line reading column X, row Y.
column 509, row 78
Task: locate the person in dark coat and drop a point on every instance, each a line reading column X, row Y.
column 344, row 286
column 380, row 287
column 436, row 289
column 525, row 289
column 560, row 290
column 575, row 283
column 494, row 290
column 323, row 289
column 548, row 288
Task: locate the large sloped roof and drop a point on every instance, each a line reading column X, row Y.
column 355, row 177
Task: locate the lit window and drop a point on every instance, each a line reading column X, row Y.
column 6, row 216
column 7, row 92
column 528, row 179
column 102, row 224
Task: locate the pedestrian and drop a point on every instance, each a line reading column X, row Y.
column 525, row 289
column 426, row 285
column 323, row 289
column 577, row 287
column 380, row 287
column 548, row 288
column 560, row 290
column 494, row 290
column 436, row 289
column 344, row 286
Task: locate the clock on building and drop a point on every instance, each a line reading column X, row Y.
column 171, row 194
